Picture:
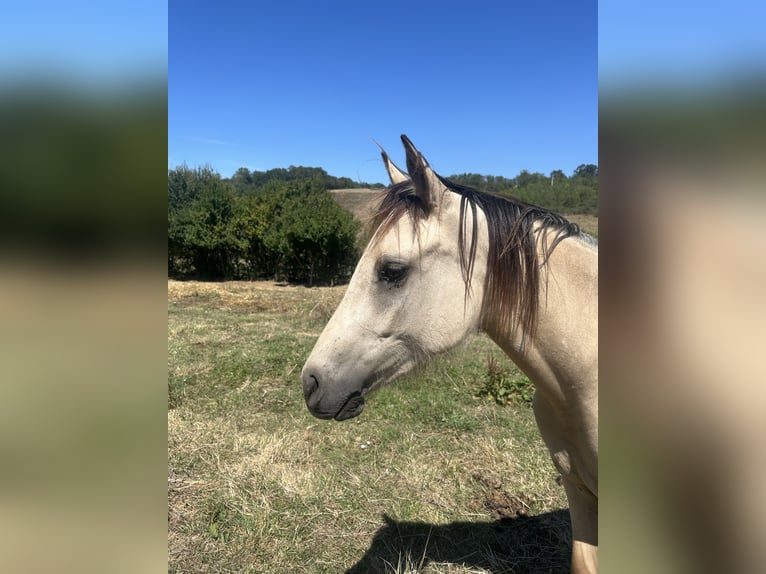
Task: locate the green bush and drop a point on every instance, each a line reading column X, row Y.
column 286, row 230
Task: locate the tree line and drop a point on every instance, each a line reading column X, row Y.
column 245, row 180
column 288, row 229
column 284, row 224
column 564, row 194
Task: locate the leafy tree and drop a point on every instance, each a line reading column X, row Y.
column 314, row 239
column 557, row 176
column 575, row 194
column 201, row 235
column 283, row 229
column 245, row 181
column 242, row 180
column 586, row 169
column 185, row 184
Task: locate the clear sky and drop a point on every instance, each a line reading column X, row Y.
column 680, row 42
column 486, row 86
column 83, row 42
column 489, row 87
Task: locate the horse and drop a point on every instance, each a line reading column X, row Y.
column 445, row 261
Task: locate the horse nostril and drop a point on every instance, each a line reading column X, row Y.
column 310, row 385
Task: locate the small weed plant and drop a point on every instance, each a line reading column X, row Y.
column 507, row 386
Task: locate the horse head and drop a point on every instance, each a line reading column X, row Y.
column 413, row 294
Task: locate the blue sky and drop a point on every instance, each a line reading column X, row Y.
column 83, row 42
column 488, row 87
column 679, row 43
column 491, row 87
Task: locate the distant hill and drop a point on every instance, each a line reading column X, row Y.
column 360, row 201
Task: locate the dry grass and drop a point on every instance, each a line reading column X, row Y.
column 361, row 202
column 432, row 478
column 588, row 223
column 258, row 296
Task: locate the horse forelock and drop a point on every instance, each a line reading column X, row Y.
column 396, row 201
column 519, row 247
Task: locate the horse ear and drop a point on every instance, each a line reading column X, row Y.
column 395, row 174
column 427, row 183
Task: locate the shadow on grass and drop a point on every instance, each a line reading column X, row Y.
column 524, row 544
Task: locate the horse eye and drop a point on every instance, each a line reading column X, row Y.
column 393, row 273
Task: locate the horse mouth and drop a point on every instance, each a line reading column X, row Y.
column 351, row 408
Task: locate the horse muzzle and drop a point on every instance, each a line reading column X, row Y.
column 330, row 405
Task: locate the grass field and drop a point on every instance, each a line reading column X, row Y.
column 433, row 477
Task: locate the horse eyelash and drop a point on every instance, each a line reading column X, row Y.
column 393, row 274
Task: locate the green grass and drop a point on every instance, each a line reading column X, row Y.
column 428, row 479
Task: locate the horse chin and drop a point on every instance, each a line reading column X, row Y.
column 353, row 407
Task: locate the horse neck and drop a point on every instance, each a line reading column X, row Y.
column 563, row 348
